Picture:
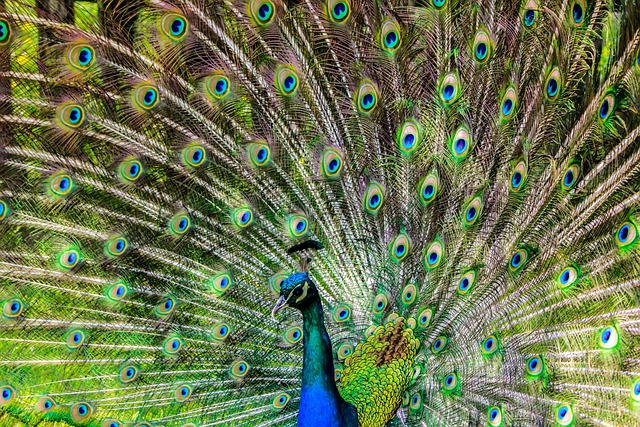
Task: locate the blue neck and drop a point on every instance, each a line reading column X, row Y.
column 320, row 402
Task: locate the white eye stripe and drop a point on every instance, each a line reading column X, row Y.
column 305, row 289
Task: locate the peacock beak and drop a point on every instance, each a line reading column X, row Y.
column 280, row 304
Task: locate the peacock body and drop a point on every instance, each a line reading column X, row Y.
column 444, row 193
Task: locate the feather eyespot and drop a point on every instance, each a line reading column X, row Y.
column 553, row 84
column 128, row 374
column 80, row 412
column 429, row 187
column 12, row 308
column 461, row 143
column 490, row 345
column 450, row 382
column 578, row 12
column 400, row 247
column 606, row 107
column 439, row 4
column 179, row 224
column 415, row 402
column 292, row 335
column 424, row 318
column 529, row 17
column 367, row 97
column 174, row 26
column 130, row 171
column 297, row 225
column 221, row 332
column 535, row 366
column 518, row 260
column 408, row 136
column 373, row 198
column 339, row 10
column 518, row 177
column 508, row 103
column 117, row 292
column 165, row 307
column 449, row 88
column 182, row 393
column 239, row 369
column 494, row 416
column 194, row 155
column 221, row 283
column 473, row 210
column 4, row 209
column 344, row 351
column 439, row 344
column 81, row 56
column 466, row 282
column 635, row 391
column 262, row 11
column 70, row 116
column 259, row 154
column 287, row 81
column 61, row 184
column 5, row 31
column 627, row 234
column 331, row 162
column 280, row 400
column 112, row 423
column 482, row 47
column 45, row 404
column 75, row 339
column 217, row 86
column 409, row 294
column 609, row 337
column 341, row 313
column 390, row 38
column 570, row 178
column 7, row 394
column 563, row 415
column 276, row 280
column 69, row 259
column 433, row 255
column 380, row 303
column 242, row 217
column 116, row 246
column 568, row 277
column 172, row 345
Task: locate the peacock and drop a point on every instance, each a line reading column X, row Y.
column 322, row 213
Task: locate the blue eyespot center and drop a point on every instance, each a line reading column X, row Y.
column 134, row 169
column 6, row 393
column 175, row 344
column 223, row 330
column 400, row 249
column 301, row 225
column 578, row 13
column 449, row 380
column 120, row 291
column 71, row 258
column 120, row 245
column 264, row 12
column 63, row 184
column 168, row 304
column 177, row 26
column 448, row 92
column 245, row 217
column 47, row 404
column 75, row 115
column 507, row 107
column 623, row 234
column 552, row 87
column 606, row 335
column 82, row 409
column 433, row 257
column 488, row 344
column 296, row 334
column 15, row 307
column 85, row 56
column 374, row 201
column 184, row 391
column 224, row 282
column 636, row 389
column 339, row 10
column 380, row 304
column 564, row 279
column 493, row 414
column 428, row 191
column 471, row 213
column 391, row 39
column 262, row 154
column 242, row 367
column 334, row 164
column 516, row 180
column 460, row 146
column 569, row 178
column 289, row 83
column 343, row 314
column 367, row 101
column 529, row 17
column 221, row 86
column 408, row 296
column 409, row 140
column 481, row 50
column 464, row 284
column 437, row 344
column 182, row 224
column 149, row 97
column 197, row 155
column 604, row 109
column 517, row 258
column 562, row 412
column 533, row 364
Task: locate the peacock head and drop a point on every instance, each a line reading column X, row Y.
column 297, row 291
